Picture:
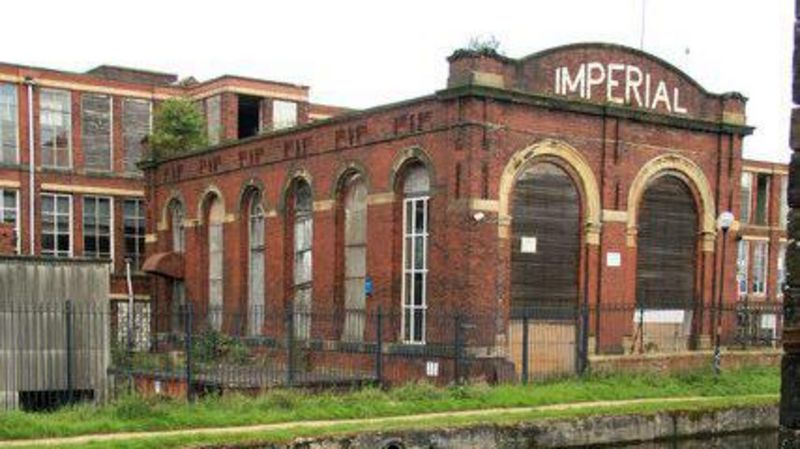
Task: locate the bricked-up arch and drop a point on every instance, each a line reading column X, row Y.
column 587, row 184
column 696, row 181
column 666, row 249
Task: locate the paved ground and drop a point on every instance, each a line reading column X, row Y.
column 127, row 436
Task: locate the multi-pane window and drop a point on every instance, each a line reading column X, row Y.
column 176, row 215
column 746, row 197
column 303, row 271
column 136, row 120
column 761, row 211
column 213, row 119
column 255, row 274
column 97, row 226
column 760, row 261
column 781, row 268
column 9, row 134
column 742, row 264
column 55, row 128
column 284, row 114
column 355, row 257
column 96, row 125
column 216, row 215
column 9, row 213
column 133, row 230
column 56, row 215
column 416, row 191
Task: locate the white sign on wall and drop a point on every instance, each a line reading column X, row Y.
column 613, row 259
column 527, row 245
column 618, row 83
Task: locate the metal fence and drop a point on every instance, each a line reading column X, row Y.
column 188, row 352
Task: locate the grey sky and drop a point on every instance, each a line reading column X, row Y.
column 365, row 53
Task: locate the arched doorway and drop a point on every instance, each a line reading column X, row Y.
column 666, row 265
column 545, row 258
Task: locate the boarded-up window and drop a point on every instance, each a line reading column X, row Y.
column 133, row 230
column 416, row 191
column 97, row 227
column 355, row 257
column 96, row 131
column 136, row 123
column 9, row 213
column 215, row 268
column 255, row 314
column 746, row 197
column 213, row 119
column 545, row 243
column 760, row 264
column 284, row 114
column 742, row 266
column 176, row 215
column 303, row 269
column 666, row 245
column 9, row 137
column 56, row 213
column 55, row 128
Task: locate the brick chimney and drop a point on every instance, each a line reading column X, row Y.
column 482, row 68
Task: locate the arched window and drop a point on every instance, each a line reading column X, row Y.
column 176, row 216
column 255, row 273
column 178, row 299
column 216, row 215
column 355, row 257
column 303, row 270
column 416, row 193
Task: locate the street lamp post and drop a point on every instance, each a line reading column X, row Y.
column 724, row 222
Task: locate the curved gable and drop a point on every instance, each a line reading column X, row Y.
column 614, row 74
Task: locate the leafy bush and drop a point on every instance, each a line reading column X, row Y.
column 178, row 127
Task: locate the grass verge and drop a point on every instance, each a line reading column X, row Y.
column 131, row 414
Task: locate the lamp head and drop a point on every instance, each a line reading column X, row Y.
column 725, row 220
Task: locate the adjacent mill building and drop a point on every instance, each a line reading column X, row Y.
column 70, row 143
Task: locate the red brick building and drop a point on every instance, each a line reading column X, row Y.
column 585, row 174
column 83, row 195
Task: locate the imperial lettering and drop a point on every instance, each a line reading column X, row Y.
column 618, row 83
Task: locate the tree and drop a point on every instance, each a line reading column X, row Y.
column 178, row 127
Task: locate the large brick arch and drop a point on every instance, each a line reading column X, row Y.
column 343, row 172
column 689, row 172
column 249, row 186
column 587, row 183
column 292, row 176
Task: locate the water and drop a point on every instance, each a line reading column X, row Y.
column 768, row 440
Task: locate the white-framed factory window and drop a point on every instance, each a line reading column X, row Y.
column 416, row 195
column 742, row 266
column 98, row 225
column 9, row 127
column 56, row 227
column 760, row 266
column 9, row 213
column 55, row 128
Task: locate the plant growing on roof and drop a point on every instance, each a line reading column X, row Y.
column 178, row 127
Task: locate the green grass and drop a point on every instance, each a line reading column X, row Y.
column 137, row 414
column 394, row 424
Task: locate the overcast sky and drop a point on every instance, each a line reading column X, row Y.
column 365, row 53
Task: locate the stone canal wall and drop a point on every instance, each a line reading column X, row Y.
column 596, row 430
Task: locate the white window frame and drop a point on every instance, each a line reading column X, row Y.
column 17, row 221
column 781, row 274
column 141, row 216
column 56, row 214
column 68, row 113
column 743, row 267
column 746, row 183
column 97, row 198
column 760, row 287
column 784, row 206
column 14, row 106
column 407, row 291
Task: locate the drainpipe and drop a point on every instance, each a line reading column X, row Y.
column 31, row 169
